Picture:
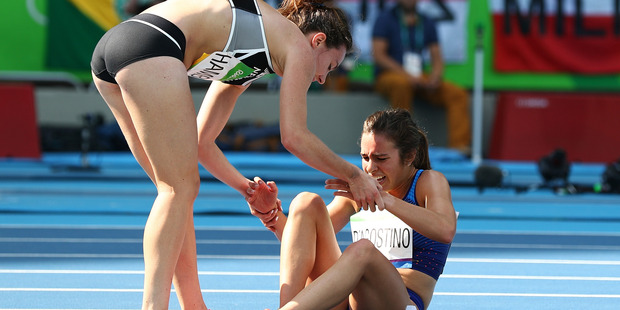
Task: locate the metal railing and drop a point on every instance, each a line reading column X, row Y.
column 58, row 77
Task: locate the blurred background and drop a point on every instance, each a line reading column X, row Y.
column 537, row 193
column 548, row 78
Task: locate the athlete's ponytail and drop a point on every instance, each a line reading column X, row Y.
column 399, row 126
column 319, row 16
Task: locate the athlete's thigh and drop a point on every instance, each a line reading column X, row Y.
column 111, row 94
column 380, row 288
column 157, row 96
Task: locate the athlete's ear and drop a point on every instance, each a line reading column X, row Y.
column 410, row 159
column 318, row 39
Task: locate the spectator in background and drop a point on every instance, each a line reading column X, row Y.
column 400, row 35
column 338, row 80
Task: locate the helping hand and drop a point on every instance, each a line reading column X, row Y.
column 269, row 219
column 364, row 190
column 262, row 197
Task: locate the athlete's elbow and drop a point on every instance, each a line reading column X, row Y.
column 290, row 146
column 291, row 141
column 447, row 234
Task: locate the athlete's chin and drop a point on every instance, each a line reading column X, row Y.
column 385, row 185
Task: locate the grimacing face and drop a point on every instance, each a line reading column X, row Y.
column 381, row 160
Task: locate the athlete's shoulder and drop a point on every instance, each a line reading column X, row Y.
column 432, row 177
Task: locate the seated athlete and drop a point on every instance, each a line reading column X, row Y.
column 141, row 68
column 414, row 230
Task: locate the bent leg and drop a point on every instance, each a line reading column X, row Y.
column 157, row 98
column 309, row 245
column 186, row 273
column 361, row 270
column 380, row 285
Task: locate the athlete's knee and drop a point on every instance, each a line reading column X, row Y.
column 184, row 188
column 192, row 186
column 308, row 204
column 362, row 252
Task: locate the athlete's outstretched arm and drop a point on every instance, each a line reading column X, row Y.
column 215, row 111
column 298, row 139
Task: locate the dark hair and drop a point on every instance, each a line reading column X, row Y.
column 318, row 15
column 399, row 126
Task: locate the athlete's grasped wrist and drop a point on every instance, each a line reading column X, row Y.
column 277, row 207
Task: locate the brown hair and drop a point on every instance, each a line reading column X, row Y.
column 399, row 126
column 320, row 16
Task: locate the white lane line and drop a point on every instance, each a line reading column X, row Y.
column 485, row 294
column 536, row 246
column 342, row 243
column 275, row 274
column 109, row 256
column 129, row 272
column 277, row 257
column 516, row 277
column 124, row 290
column 533, row 261
column 129, row 240
column 527, row 295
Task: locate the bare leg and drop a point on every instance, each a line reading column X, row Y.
column 361, row 270
column 185, row 279
column 187, row 286
column 111, row 93
column 157, row 116
column 309, row 245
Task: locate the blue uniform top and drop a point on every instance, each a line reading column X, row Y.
column 429, row 256
column 389, row 25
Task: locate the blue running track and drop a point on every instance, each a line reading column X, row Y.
column 71, row 238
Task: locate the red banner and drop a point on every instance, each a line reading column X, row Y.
column 530, row 125
column 537, row 36
column 19, row 134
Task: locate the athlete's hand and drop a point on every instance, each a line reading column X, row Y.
column 363, row 189
column 269, row 219
column 261, row 196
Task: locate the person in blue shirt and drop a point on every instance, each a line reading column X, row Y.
column 401, row 36
column 375, row 271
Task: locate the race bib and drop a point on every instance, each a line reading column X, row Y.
column 219, row 66
column 390, row 235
